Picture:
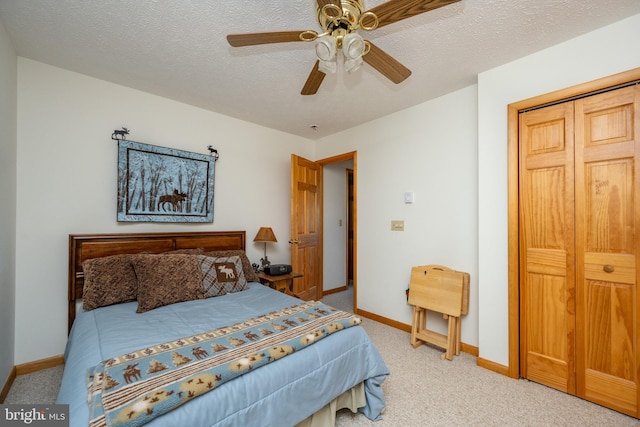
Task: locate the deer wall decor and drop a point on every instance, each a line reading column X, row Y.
column 119, row 134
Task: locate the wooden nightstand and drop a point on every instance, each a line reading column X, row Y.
column 282, row 283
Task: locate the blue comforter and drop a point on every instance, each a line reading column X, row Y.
column 279, row 394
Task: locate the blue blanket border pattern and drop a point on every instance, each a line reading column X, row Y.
column 135, row 388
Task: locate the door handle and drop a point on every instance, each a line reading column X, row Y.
column 608, row 268
column 294, row 241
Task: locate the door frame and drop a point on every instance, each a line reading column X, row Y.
column 584, row 89
column 352, row 155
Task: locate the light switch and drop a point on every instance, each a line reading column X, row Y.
column 408, row 197
column 397, row 225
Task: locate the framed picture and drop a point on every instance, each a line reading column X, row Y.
column 158, row 184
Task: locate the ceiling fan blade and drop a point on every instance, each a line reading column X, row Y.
column 386, row 64
column 251, row 39
column 397, row 10
column 314, row 81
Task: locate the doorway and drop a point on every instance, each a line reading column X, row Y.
column 344, row 221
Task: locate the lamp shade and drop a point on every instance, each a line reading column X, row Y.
column 265, row 234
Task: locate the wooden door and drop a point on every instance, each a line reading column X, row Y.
column 306, row 227
column 547, row 254
column 579, row 222
column 607, row 227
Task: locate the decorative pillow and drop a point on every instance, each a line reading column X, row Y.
column 249, row 274
column 108, row 280
column 221, row 275
column 166, row 279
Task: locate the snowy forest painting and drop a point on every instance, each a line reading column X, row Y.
column 158, row 184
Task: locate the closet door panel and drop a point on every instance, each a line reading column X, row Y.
column 607, row 218
column 547, row 247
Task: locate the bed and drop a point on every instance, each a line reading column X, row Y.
column 341, row 369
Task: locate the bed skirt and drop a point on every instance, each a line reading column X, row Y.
column 353, row 399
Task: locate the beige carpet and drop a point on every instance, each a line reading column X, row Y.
column 423, row 390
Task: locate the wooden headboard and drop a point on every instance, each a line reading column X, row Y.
column 86, row 246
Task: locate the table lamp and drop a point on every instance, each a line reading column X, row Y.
column 265, row 234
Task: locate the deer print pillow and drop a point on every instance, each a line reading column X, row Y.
column 221, row 275
column 249, row 274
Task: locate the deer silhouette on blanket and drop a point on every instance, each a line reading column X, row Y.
column 199, row 353
column 131, row 373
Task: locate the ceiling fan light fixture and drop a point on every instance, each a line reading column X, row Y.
column 353, row 46
column 351, row 65
column 326, row 48
column 328, row 67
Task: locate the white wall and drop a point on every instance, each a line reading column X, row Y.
column 8, row 100
column 431, row 150
column 450, row 151
column 601, row 53
column 335, row 227
column 66, row 176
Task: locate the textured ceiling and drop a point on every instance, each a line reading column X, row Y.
column 178, row 50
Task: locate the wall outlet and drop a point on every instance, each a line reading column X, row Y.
column 397, row 225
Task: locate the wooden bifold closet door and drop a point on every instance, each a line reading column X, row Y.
column 579, row 184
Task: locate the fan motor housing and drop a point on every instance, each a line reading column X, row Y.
column 348, row 21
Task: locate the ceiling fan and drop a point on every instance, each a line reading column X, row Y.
column 340, row 21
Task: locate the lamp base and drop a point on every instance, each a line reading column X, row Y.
column 264, row 263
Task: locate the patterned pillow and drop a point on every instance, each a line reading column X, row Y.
column 167, row 279
column 108, row 280
column 249, row 274
column 221, row 275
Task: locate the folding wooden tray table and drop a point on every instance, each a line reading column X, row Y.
column 443, row 290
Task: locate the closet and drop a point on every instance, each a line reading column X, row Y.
column 579, row 227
